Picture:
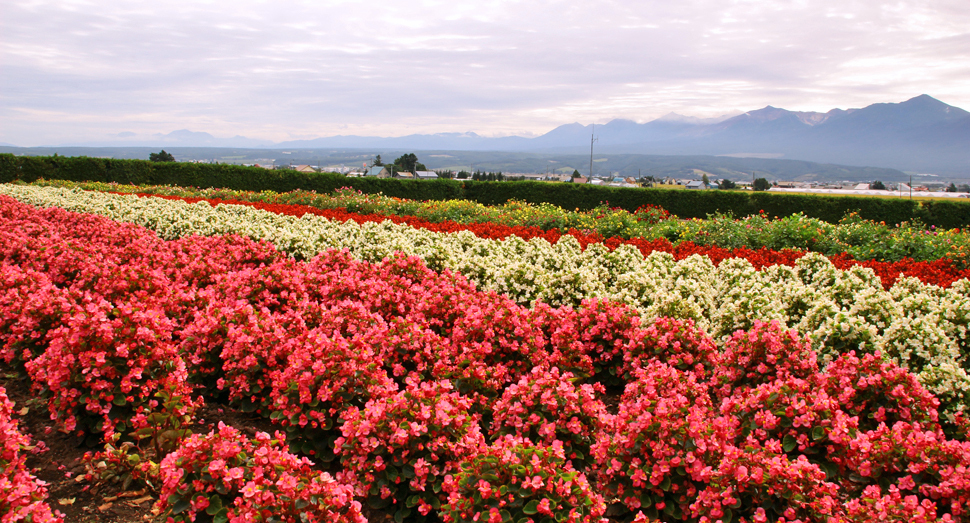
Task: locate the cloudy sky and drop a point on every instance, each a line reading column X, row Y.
column 75, row 71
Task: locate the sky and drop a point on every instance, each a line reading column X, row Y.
column 82, row 71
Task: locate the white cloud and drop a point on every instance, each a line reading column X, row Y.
column 79, row 70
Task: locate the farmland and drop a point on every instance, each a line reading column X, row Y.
column 303, row 357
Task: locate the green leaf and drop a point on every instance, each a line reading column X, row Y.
column 789, row 443
column 728, row 516
column 665, row 484
column 377, row 503
column 180, row 506
column 402, row 513
column 531, row 507
column 818, row 433
column 215, row 505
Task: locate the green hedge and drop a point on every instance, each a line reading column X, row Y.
column 683, row 203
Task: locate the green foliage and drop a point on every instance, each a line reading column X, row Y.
column 408, row 163
column 761, row 184
column 161, row 157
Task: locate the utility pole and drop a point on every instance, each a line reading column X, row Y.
column 591, row 140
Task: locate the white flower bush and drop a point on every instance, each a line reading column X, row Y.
column 920, row 326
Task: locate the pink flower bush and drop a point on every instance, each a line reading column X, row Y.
column 22, row 496
column 877, row 391
column 30, row 307
column 105, row 364
column 325, row 375
column 600, row 330
column 678, row 343
column 893, row 506
column 516, row 480
column 667, row 432
column 791, row 411
column 763, row 354
column 917, row 460
column 492, row 345
column 226, row 476
column 546, row 406
column 399, row 449
column 765, row 485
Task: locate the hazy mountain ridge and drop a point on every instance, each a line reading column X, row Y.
column 921, row 134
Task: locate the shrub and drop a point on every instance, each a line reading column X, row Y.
column 877, row 392
column 491, row 345
column 399, row 449
column 516, row 480
column 232, row 478
column 546, row 406
column 23, row 497
column 763, row 354
column 105, row 364
column 894, row 507
column 677, row 343
column 765, row 485
column 325, row 375
column 666, row 433
column 30, row 307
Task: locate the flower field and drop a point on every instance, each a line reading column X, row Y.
column 440, row 375
column 852, row 238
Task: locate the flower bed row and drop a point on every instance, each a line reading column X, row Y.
column 441, row 399
column 858, row 239
column 923, row 327
column 942, row 272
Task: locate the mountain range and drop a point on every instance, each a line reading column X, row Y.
column 921, row 134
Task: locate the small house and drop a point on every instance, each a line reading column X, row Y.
column 378, row 171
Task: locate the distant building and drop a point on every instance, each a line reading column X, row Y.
column 304, row 169
column 695, row 184
column 378, row 171
column 404, row 174
column 426, row 175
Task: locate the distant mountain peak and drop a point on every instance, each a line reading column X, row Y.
column 185, row 134
column 692, row 120
column 770, row 113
